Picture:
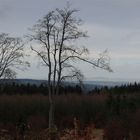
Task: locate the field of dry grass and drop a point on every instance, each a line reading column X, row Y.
column 78, row 117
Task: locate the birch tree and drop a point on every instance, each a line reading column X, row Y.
column 56, row 34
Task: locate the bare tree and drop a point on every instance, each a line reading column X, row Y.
column 56, row 34
column 11, row 56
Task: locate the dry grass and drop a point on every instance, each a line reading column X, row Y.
column 88, row 133
column 91, row 112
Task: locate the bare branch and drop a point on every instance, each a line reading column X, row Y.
column 40, row 54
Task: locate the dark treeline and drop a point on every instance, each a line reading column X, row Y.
column 15, row 88
column 29, row 89
column 128, row 88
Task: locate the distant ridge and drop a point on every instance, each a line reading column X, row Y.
column 23, row 81
column 87, row 84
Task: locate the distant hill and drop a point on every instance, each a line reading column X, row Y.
column 23, row 81
column 89, row 85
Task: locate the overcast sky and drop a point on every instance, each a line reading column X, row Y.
column 111, row 24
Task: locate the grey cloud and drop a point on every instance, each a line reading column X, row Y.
column 115, row 13
column 4, row 11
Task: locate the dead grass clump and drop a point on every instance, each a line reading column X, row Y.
column 114, row 131
column 37, row 123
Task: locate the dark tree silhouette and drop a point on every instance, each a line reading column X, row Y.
column 56, row 34
column 11, row 56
